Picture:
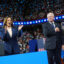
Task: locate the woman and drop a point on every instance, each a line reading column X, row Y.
column 10, row 35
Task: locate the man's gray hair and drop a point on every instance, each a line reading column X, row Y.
column 50, row 13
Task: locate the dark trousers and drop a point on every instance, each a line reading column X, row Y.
column 54, row 56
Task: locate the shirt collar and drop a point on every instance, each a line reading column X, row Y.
column 51, row 22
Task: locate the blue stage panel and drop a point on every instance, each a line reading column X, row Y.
column 62, row 54
column 28, row 58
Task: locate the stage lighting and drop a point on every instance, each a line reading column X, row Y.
column 30, row 22
column 60, row 17
column 15, row 23
column 42, row 20
column 1, row 24
column 56, row 18
column 22, row 23
column 39, row 21
column 18, row 23
column 36, row 21
column 63, row 17
column 45, row 20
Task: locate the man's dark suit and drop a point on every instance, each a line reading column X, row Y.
column 53, row 42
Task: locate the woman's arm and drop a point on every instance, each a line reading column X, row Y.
column 19, row 30
column 4, row 35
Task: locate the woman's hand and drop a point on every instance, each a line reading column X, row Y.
column 20, row 27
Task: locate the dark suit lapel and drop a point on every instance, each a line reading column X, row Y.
column 56, row 25
column 50, row 26
column 8, row 35
column 12, row 33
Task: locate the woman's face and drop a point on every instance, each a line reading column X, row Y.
column 9, row 22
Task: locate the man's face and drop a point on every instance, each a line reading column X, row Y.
column 50, row 17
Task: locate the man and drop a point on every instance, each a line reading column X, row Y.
column 52, row 32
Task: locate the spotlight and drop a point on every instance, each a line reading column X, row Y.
column 21, row 23
column 1, row 24
column 56, row 18
column 36, row 21
column 24, row 23
column 45, row 20
column 30, row 22
column 39, row 21
column 42, row 20
column 33, row 22
column 60, row 17
column 18, row 23
column 27, row 22
column 63, row 17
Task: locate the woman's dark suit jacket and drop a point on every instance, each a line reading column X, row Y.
column 11, row 43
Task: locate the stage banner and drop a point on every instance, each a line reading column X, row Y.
column 40, row 43
column 33, row 45
column 28, row 58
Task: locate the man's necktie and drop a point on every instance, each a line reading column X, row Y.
column 53, row 25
